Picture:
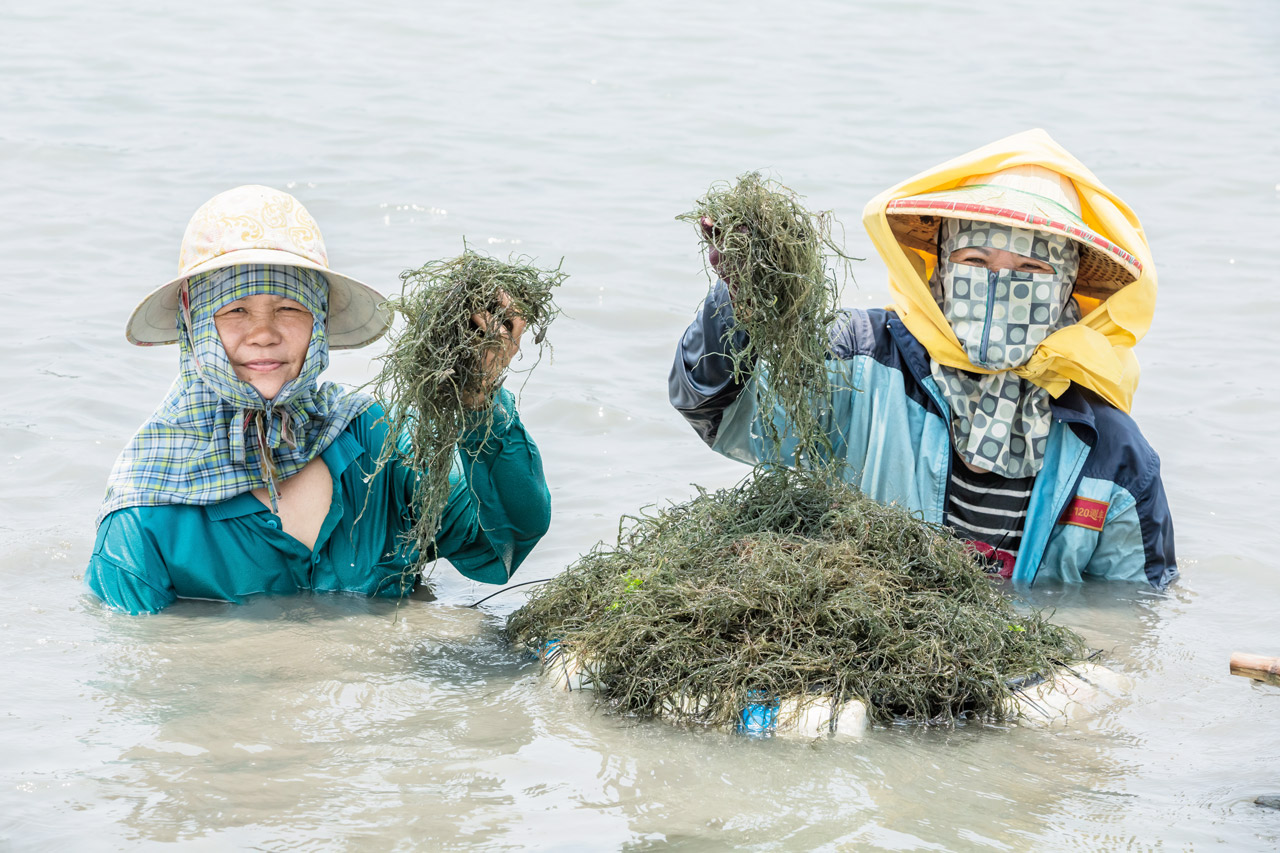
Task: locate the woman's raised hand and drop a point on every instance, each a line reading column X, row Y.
column 712, row 234
column 495, row 361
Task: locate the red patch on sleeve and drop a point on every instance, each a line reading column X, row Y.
column 1083, row 512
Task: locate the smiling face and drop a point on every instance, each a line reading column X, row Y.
column 266, row 338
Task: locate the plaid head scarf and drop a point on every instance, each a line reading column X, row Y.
column 214, row 437
column 1000, row 421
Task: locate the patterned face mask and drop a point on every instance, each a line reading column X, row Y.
column 1001, row 316
column 1000, row 422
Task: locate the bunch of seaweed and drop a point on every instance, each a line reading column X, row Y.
column 790, row 586
column 438, row 378
column 773, row 254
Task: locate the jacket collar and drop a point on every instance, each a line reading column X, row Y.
column 1075, row 408
column 914, row 355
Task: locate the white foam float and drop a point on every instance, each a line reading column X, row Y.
column 1076, row 692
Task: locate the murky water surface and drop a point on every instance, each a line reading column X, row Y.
column 578, row 130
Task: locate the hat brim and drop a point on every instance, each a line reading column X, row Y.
column 1104, row 266
column 356, row 318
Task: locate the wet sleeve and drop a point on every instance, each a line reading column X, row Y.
column 748, row 432
column 1136, row 543
column 126, row 570
column 701, row 383
column 1160, row 561
column 702, row 387
column 500, row 505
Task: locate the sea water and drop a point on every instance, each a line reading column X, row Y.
column 579, row 129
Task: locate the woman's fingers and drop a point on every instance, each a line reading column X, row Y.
column 495, row 361
column 515, row 328
column 512, row 327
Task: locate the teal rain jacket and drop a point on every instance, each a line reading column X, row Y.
column 147, row 557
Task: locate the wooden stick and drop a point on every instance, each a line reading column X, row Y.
column 1256, row 667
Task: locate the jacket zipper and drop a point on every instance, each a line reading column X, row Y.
column 1058, row 510
column 945, row 414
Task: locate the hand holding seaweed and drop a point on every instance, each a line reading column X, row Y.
column 495, row 361
column 711, row 236
column 772, row 253
column 463, row 321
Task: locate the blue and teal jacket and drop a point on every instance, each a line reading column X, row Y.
column 1098, row 507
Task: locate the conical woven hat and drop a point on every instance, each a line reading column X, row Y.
column 1025, row 197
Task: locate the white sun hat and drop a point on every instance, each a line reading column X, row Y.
column 259, row 225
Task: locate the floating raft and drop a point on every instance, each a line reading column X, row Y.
column 1075, row 693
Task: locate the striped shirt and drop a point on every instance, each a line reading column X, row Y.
column 989, row 509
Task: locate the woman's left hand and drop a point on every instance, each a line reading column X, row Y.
column 496, row 360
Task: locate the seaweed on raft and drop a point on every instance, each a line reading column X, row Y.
column 437, row 379
column 773, row 253
column 791, row 586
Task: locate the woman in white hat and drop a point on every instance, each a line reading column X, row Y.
column 252, row 477
column 993, row 395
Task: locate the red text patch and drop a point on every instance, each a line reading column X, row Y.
column 1084, row 512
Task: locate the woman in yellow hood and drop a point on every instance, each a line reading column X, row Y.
column 1116, row 289
column 993, row 395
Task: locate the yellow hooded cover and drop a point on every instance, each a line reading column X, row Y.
column 1097, row 352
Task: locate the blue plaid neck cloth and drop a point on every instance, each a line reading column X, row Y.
column 213, row 436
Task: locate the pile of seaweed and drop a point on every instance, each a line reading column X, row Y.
column 438, row 376
column 773, row 253
column 786, row 586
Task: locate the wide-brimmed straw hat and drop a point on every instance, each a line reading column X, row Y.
column 1026, row 197
column 259, row 225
